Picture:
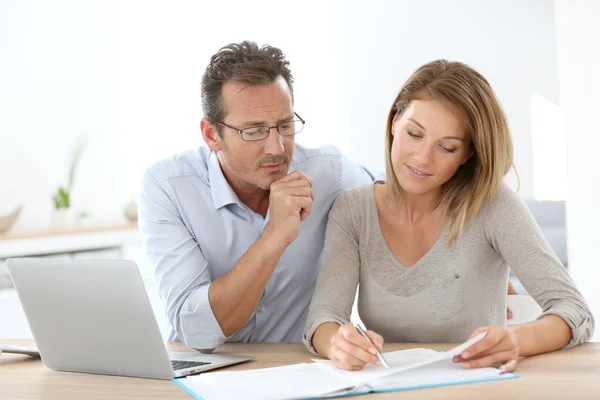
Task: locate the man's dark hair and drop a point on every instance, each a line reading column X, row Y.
column 243, row 62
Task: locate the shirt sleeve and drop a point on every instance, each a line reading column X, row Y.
column 338, row 278
column 354, row 175
column 514, row 233
column 180, row 269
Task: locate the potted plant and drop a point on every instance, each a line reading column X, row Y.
column 62, row 197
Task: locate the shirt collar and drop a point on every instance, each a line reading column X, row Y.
column 222, row 193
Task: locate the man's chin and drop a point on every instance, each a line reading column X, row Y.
column 271, row 177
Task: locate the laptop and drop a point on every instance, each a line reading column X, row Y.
column 94, row 316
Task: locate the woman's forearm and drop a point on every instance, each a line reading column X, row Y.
column 542, row 336
column 321, row 339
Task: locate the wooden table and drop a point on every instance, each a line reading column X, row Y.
column 565, row 374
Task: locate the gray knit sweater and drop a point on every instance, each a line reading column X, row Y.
column 450, row 291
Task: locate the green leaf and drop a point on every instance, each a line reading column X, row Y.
column 62, row 198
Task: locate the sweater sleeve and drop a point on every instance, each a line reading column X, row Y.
column 511, row 229
column 340, row 269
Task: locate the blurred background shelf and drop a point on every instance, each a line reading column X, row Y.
column 69, row 241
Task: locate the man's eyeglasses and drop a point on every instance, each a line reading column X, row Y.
column 254, row 133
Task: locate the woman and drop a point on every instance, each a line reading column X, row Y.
column 432, row 245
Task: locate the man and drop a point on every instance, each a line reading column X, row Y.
column 235, row 231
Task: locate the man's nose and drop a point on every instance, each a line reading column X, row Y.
column 274, row 142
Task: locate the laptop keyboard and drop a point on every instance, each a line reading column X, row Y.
column 180, row 364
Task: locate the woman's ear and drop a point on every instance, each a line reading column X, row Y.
column 396, row 116
column 468, row 155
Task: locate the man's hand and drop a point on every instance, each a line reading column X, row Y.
column 350, row 351
column 511, row 290
column 290, row 203
column 499, row 346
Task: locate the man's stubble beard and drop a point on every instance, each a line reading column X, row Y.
column 258, row 183
column 268, row 159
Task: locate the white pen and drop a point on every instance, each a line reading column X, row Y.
column 377, row 353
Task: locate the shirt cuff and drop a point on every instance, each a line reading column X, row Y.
column 198, row 326
column 581, row 330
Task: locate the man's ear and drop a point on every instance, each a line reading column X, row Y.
column 210, row 135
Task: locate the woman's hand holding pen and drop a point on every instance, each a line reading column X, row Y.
column 500, row 346
column 350, row 351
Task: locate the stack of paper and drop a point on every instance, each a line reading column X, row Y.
column 410, row 369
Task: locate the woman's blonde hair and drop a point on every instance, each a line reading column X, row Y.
column 470, row 95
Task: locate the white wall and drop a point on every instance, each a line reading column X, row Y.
column 511, row 42
column 579, row 63
column 51, row 91
column 128, row 73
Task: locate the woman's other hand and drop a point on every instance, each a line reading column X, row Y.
column 499, row 346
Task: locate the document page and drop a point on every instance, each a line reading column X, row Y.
column 439, row 373
column 296, row 381
column 403, row 360
column 409, row 369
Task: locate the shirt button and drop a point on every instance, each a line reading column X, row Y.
column 262, row 309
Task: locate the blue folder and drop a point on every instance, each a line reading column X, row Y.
column 181, row 383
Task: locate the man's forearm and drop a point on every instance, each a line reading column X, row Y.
column 234, row 296
column 544, row 335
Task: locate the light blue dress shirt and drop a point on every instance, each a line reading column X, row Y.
column 196, row 229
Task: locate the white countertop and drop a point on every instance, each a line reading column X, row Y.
column 68, row 240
